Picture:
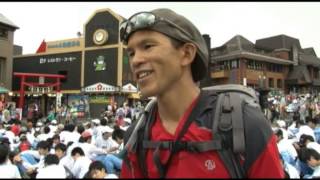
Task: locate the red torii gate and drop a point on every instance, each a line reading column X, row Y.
column 23, row 83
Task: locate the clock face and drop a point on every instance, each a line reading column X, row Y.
column 100, row 36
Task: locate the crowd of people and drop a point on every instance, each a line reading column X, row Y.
column 46, row 148
column 174, row 140
column 296, row 123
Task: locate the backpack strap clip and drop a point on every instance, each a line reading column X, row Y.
column 226, row 113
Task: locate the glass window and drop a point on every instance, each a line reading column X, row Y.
column 279, row 83
column 3, row 33
column 270, row 82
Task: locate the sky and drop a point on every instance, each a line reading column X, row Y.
column 51, row 21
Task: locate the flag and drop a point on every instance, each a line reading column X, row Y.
column 42, row 47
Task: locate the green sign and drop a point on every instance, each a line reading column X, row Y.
column 99, row 99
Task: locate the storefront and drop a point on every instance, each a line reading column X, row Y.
column 94, row 64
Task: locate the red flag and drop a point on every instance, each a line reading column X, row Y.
column 42, row 47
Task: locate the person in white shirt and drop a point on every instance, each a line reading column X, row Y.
column 45, row 135
column 64, row 160
column 286, row 148
column 81, row 163
column 52, row 168
column 89, row 149
column 305, row 129
column 34, row 160
column 106, row 141
column 7, row 170
column 312, row 158
column 98, row 171
column 69, row 134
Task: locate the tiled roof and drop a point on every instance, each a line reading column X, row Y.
column 306, row 59
column 298, row 72
column 278, row 42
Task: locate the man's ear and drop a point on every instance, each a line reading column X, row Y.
column 190, row 51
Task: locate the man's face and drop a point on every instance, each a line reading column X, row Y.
column 59, row 153
column 312, row 162
column 106, row 135
column 98, row 173
column 43, row 151
column 154, row 61
column 56, row 141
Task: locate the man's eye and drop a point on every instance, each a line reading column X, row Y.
column 147, row 46
column 130, row 54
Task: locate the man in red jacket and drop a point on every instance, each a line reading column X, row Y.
column 168, row 57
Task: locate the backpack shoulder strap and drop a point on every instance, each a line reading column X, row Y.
column 237, row 123
column 227, row 117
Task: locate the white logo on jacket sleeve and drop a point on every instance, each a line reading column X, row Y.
column 210, row 164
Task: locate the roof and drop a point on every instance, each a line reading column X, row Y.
column 299, row 72
column 6, row 21
column 238, row 42
column 278, row 42
column 307, row 59
column 309, row 51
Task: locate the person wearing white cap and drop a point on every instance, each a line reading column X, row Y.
column 95, row 129
column 106, row 141
column 53, row 126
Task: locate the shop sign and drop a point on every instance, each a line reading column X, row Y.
column 35, row 89
column 44, row 60
column 58, row 99
column 100, row 87
column 99, row 99
column 129, row 88
column 65, row 44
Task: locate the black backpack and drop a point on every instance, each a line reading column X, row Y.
column 228, row 132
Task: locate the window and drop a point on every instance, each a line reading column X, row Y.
column 2, row 68
column 3, row 33
column 234, row 64
column 256, row 65
column 316, row 73
column 279, row 83
column 270, row 82
column 274, row 67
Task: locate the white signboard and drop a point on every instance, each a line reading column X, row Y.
column 100, row 87
column 58, row 99
column 129, row 88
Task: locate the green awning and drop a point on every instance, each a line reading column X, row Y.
column 3, row 90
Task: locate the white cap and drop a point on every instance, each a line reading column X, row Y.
column 128, row 120
column 54, row 121
column 96, row 121
column 124, row 128
column 106, row 129
column 281, row 123
column 39, row 124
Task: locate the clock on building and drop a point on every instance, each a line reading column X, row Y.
column 100, row 36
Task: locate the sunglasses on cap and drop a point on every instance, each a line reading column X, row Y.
column 143, row 20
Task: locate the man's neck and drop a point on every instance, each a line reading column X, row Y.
column 173, row 105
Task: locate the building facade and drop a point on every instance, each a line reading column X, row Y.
column 95, row 65
column 276, row 63
column 7, row 29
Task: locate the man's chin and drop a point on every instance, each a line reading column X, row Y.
column 146, row 94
